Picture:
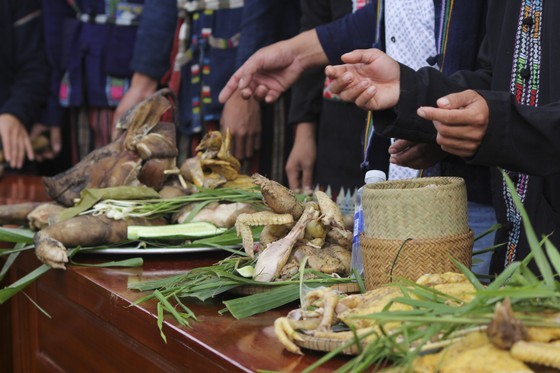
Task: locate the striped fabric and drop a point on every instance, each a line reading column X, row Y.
column 525, row 86
column 90, row 129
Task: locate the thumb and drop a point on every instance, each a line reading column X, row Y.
column 456, row 100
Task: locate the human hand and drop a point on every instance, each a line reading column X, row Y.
column 461, row 121
column 265, row 75
column 415, row 155
column 243, row 119
column 301, row 161
column 55, row 141
column 369, row 78
column 15, row 141
column 141, row 87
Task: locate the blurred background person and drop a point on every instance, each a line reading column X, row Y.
column 89, row 46
column 23, row 77
column 212, row 39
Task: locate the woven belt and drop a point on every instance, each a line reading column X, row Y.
column 197, row 5
column 103, row 19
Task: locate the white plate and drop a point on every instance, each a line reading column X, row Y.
column 155, row 250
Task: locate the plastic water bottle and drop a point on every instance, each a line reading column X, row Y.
column 372, row 176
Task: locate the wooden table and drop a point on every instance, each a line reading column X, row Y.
column 95, row 326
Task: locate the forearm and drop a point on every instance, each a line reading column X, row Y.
column 354, row 31
column 154, row 39
column 308, row 50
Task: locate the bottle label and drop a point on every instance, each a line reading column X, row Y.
column 358, row 226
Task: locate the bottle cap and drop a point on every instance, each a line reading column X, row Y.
column 374, row 176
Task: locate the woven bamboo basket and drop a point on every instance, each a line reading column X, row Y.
column 413, row 227
column 421, row 208
column 387, row 260
column 328, row 344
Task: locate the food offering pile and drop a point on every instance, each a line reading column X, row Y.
column 135, row 181
column 133, row 192
column 449, row 322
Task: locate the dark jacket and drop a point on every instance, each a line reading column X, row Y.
column 23, row 67
column 464, row 34
column 241, row 31
column 90, row 59
column 519, row 138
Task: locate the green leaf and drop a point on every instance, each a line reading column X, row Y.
column 22, row 283
column 37, row 305
column 11, row 259
column 90, row 196
column 17, row 235
column 553, row 254
column 160, row 321
column 261, row 302
column 131, row 262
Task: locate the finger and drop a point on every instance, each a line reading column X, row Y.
column 405, row 156
column 231, row 86
column 472, row 134
column 410, row 163
column 340, row 80
column 56, row 141
column 261, row 92
column 335, row 72
column 399, row 146
column 294, row 180
column 28, row 150
column 366, row 99
column 361, row 56
column 457, row 146
column 307, row 177
column 456, row 117
column 7, row 146
column 457, row 100
column 272, row 96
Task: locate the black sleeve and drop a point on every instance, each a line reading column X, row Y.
column 307, row 92
column 30, row 88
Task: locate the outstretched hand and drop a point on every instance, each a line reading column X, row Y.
column 461, row 121
column 265, row 75
column 273, row 69
column 369, row 78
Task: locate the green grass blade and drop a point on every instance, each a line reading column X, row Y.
column 37, row 305
column 160, row 321
column 553, row 255
column 130, row 263
column 22, row 283
column 16, row 235
column 6, row 267
column 261, row 302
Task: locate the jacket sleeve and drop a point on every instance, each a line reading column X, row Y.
column 355, row 31
column 30, row 89
column 514, row 131
column 264, row 23
column 154, row 39
column 307, row 92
